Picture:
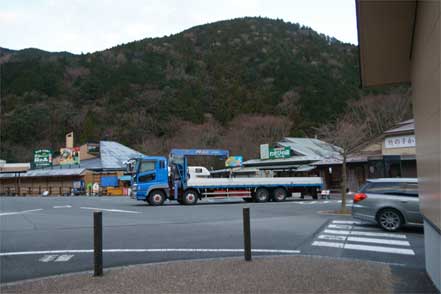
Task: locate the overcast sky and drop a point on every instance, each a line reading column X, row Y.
column 90, row 25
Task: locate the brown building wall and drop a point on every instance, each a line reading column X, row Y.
column 426, row 93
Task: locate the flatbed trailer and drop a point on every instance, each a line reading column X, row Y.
column 157, row 179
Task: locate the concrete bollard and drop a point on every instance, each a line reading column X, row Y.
column 247, row 234
column 98, row 243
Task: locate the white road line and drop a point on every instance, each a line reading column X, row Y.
column 378, row 241
column 370, row 234
column 111, row 210
column 365, row 247
column 346, row 222
column 19, row 212
column 326, row 202
column 47, row 258
column 332, row 237
column 62, row 206
column 64, row 257
column 284, row 251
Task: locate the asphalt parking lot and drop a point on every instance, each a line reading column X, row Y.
column 42, row 236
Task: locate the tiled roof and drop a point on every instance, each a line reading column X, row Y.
column 113, row 154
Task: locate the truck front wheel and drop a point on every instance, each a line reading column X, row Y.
column 262, row 195
column 190, row 197
column 156, row 198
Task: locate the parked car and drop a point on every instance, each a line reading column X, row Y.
column 390, row 202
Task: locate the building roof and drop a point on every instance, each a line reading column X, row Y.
column 335, row 161
column 53, row 172
column 311, row 148
column 113, row 154
column 92, row 164
column 307, row 150
column 14, row 167
column 282, row 161
column 403, row 128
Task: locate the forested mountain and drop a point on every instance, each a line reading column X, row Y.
column 214, row 79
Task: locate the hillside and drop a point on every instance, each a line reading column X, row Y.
column 221, row 76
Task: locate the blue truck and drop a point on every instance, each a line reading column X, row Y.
column 157, row 178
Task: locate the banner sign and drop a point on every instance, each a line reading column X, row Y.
column 234, row 161
column 42, row 158
column 69, row 156
column 93, row 148
column 400, row 142
column 277, row 153
column 274, row 153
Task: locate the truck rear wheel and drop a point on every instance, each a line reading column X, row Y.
column 190, row 197
column 262, row 195
column 156, row 198
column 279, row 195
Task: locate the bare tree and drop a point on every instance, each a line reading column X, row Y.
column 364, row 120
column 345, row 137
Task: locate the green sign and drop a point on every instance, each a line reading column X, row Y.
column 42, row 158
column 277, row 153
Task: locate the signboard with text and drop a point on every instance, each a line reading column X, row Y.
column 400, row 142
column 70, row 156
column 267, row 152
column 277, row 153
column 42, row 158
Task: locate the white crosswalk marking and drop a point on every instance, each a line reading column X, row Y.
column 371, row 234
column 56, row 258
column 365, row 247
column 328, row 244
column 332, row 237
column 380, row 249
column 347, row 227
column 378, row 241
column 346, row 222
column 48, row 258
column 63, row 258
column 350, row 235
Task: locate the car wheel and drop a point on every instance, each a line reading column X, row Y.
column 279, row 195
column 262, row 195
column 390, row 219
column 190, row 197
column 156, row 198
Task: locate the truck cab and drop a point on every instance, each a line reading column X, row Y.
column 151, row 176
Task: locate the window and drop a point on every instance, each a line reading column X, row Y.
column 384, row 188
column 410, row 189
column 198, row 170
column 147, row 166
column 161, row 164
column 147, row 178
column 399, row 189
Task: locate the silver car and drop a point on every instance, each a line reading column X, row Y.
column 390, row 202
